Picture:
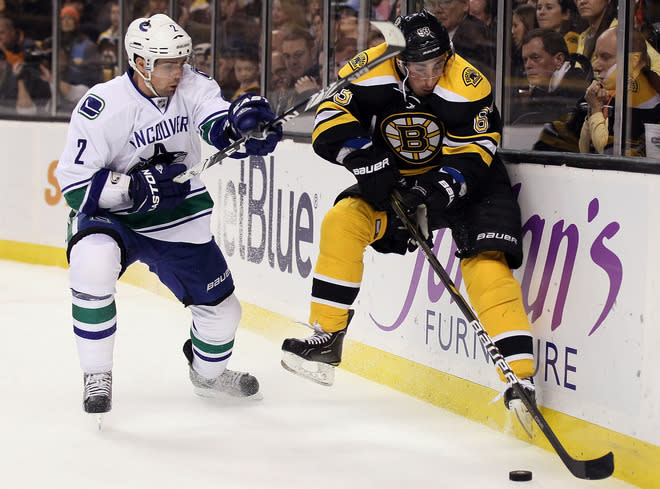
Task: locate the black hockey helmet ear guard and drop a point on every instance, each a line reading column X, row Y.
column 426, row 37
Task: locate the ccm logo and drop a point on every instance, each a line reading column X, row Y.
column 365, row 170
column 503, row 236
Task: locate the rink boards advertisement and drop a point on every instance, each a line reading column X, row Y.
column 588, row 280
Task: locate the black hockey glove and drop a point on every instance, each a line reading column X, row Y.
column 153, row 188
column 376, row 175
column 437, row 189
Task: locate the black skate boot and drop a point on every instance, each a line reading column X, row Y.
column 514, row 403
column 229, row 382
column 316, row 357
column 97, row 395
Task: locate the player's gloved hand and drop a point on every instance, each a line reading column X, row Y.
column 153, row 188
column 248, row 114
column 437, row 189
column 376, row 174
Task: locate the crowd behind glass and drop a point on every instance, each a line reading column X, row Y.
column 560, row 61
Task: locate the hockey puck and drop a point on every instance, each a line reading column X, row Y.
column 520, row 475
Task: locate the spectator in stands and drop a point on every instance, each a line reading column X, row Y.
column 83, row 67
column 108, row 43
column 11, row 41
column 280, row 83
column 314, row 7
column 596, row 134
column 195, row 17
column 8, row 87
column 288, row 12
column 523, row 21
column 316, row 30
column 556, row 79
column 560, row 16
column 108, row 59
column 345, row 49
column 31, row 101
column 201, row 58
column 485, row 11
column 156, row 7
column 247, row 73
column 384, row 9
column 346, row 21
column 298, row 50
column 469, row 35
column 112, row 32
column 650, row 22
column 28, row 59
column 87, row 18
column 280, row 80
column 236, row 28
column 224, row 72
column 599, row 14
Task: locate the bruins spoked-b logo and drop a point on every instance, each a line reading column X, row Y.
column 471, row 77
column 424, row 32
column 358, row 61
column 415, row 136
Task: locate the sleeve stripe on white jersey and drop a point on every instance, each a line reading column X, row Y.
column 215, row 115
column 76, row 185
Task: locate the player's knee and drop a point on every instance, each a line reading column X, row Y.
column 350, row 217
column 217, row 322
column 94, row 265
column 489, row 281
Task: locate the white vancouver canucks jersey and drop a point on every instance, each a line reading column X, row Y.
column 115, row 126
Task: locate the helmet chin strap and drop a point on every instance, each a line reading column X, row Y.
column 147, row 82
column 403, row 66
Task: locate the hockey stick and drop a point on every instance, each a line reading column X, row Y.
column 395, row 44
column 598, row 468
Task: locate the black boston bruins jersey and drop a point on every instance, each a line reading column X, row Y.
column 456, row 126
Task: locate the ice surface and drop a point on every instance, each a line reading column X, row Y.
column 356, row 434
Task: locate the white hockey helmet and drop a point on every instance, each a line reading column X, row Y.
column 156, row 37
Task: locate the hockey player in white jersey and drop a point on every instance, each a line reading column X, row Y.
column 127, row 139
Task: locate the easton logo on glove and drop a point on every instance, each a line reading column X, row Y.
column 378, row 166
column 153, row 187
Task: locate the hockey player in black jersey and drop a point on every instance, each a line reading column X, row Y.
column 423, row 123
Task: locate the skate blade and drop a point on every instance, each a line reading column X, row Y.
column 98, row 419
column 213, row 394
column 524, row 418
column 319, row 372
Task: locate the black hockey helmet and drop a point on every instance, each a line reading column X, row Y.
column 426, row 37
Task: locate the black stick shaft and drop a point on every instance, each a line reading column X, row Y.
column 598, row 468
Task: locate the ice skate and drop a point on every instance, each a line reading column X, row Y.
column 315, row 357
column 513, row 403
column 97, row 395
column 228, row 383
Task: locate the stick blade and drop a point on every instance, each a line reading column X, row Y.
column 391, row 33
column 595, row 469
